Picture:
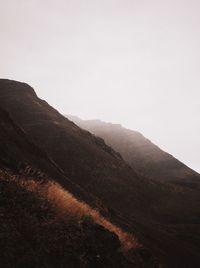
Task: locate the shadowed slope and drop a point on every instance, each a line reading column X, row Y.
column 34, row 234
column 151, row 209
column 42, row 225
column 84, row 158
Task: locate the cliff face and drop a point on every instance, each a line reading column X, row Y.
column 141, row 154
column 92, row 171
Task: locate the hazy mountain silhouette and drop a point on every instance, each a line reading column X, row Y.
column 165, row 218
column 140, row 153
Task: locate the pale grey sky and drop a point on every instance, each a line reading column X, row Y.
column 134, row 62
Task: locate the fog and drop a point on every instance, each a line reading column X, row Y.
column 131, row 62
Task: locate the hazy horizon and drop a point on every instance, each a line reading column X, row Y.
column 135, row 63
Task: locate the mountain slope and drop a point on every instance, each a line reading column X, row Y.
column 141, row 154
column 85, row 159
column 150, row 209
column 33, row 235
column 42, row 225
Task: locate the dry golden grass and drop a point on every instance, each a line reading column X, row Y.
column 67, row 207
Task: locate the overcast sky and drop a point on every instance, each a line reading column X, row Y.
column 134, row 62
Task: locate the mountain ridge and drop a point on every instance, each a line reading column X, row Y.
column 150, row 209
column 138, row 151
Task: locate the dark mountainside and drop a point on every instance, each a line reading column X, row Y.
column 42, row 225
column 141, row 154
column 165, row 218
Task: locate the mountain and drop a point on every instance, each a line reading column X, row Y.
column 42, row 224
column 140, row 153
column 165, row 218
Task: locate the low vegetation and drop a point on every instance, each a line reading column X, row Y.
column 67, row 207
column 42, row 225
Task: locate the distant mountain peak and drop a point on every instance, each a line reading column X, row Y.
column 141, row 154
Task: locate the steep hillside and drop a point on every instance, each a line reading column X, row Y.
column 151, row 210
column 43, row 225
column 141, row 154
column 86, row 160
column 33, row 236
column 38, row 229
